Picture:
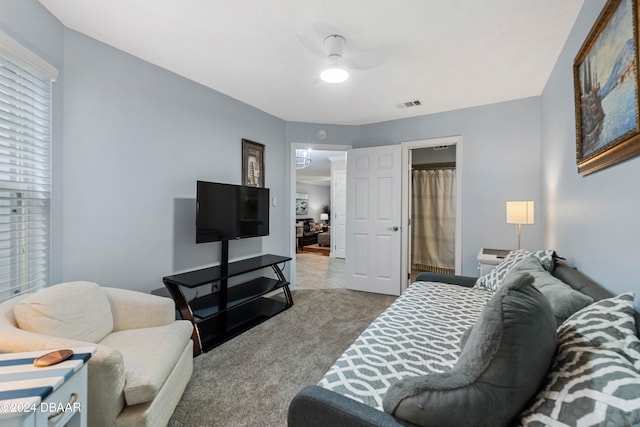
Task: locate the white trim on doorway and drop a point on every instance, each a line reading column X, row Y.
column 406, row 148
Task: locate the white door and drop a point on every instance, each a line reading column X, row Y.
column 373, row 219
column 339, row 220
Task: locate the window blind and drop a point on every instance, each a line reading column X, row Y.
column 25, row 173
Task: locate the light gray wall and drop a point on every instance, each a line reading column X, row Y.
column 591, row 220
column 319, row 195
column 30, row 24
column 137, row 138
column 500, row 162
column 298, row 132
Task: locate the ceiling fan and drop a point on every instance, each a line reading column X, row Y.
column 337, row 64
column 336, row 71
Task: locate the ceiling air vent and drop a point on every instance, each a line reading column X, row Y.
column 409, row 104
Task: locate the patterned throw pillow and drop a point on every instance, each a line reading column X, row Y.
column 492, row 280
column 595, row 377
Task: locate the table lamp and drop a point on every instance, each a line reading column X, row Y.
column 519, row 213
column 324, row 217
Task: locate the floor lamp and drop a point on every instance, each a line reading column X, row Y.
column 519, row 213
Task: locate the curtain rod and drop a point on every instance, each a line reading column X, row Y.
column 445, row 165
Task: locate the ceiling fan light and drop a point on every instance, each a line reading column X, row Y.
column 334, row 75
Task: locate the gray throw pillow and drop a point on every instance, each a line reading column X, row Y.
column 563, row 298
column 492, row 280
column 465, row 337
column 502, row 364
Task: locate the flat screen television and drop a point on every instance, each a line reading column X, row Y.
column 228, row 212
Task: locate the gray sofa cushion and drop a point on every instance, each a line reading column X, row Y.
column 501, row 366
column 563, row 299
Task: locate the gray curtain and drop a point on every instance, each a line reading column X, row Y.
column 433, row 220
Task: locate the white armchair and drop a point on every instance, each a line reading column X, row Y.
column 144, row 357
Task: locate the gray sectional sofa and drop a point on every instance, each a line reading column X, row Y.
column 530, row 345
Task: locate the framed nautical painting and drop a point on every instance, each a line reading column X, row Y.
column 605, row 74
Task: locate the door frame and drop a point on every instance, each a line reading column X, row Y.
column 335, row 202
column 292, row 196
column 406, row 176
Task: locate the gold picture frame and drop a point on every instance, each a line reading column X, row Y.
column 605, row 73
column 252, row 163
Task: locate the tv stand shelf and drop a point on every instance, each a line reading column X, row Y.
column 221, row 315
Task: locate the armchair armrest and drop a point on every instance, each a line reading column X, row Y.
column 15, row 340
column 466, row 281
column 134, row 310
column 106, row 366
column 315, row 406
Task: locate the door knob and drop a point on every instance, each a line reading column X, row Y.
column 393, row 228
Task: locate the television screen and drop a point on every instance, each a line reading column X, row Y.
column 227, row 212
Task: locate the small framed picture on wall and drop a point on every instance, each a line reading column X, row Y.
column 302, row 203
column 252, row 163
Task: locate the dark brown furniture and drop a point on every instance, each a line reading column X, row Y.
column 309, row 237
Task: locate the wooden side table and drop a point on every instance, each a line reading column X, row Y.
column 55, row 395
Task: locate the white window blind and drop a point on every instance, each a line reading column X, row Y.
column 25, row 171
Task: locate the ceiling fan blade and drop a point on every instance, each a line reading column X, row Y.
column 333, row 49
column 367, row 60
column 311, row 45
column 325, row 30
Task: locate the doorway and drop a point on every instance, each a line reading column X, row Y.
column 432, row 210
column 315, row 201
column 427, row 248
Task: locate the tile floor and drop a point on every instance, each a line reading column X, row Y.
column 315, row 271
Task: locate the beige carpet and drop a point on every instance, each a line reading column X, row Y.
column 250, row 380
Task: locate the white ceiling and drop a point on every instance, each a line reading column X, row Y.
column 447, row 54
column 319, row 170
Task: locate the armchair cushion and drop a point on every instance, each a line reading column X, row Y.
column 145, row 372
column 133, row 310
column 74, row 310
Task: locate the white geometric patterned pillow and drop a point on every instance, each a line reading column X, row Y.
column 606, row 323
column 595, row 377
column 492, row 280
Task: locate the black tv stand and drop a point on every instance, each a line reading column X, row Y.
column 223, row 314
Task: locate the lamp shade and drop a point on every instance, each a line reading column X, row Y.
column 324, row 216
column 520, row 212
